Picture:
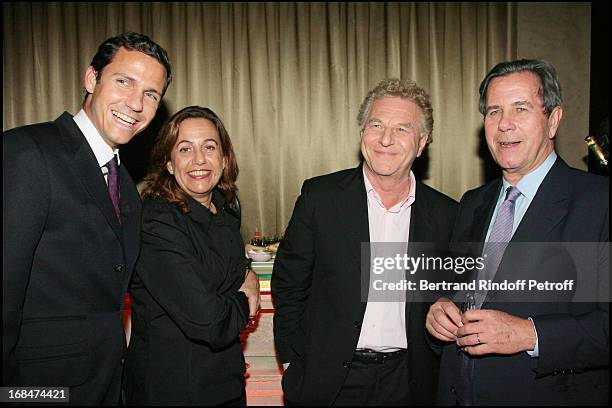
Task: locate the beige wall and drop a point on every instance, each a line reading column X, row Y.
column 561, row 34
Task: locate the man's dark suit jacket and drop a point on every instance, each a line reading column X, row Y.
column 66, row 264
column 572, row 367
column 316, row 286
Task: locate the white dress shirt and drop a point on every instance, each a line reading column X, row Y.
column 384, row 322
column 103, row 152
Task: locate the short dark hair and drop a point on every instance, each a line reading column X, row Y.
column 159, row 181
column 132, row 42
column 549, row 91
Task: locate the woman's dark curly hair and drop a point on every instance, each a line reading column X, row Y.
column 160, row 183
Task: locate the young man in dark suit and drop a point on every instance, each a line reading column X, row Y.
column 546, row 350
column 337, row 346
column 71, row 228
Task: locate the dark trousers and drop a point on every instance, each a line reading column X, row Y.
column 386, row 383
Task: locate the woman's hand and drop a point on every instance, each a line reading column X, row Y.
column 250, row 287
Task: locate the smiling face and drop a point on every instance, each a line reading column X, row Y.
column 124, row 100
column 197, row 160
column 391, row 138
column 518, row 131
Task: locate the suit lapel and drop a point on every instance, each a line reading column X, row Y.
column 352, row 211
column 421, row 230
column 420, row 219
column 130, row 218
column 86, row 169
column 484, row 212
column 474, row 239
column 548, row 208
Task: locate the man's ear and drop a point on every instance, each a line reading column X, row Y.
column 423, row 142
column 90, row 79
column 553, row 121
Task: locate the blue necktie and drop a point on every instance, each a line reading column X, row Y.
column 501, row 233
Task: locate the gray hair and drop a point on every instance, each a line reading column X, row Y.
column 549, row 90
column 406, row 89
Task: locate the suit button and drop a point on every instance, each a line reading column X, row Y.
column 357, row 324
column 453, row 390
column 119, row 268
column 346, row 364
column 122, row 360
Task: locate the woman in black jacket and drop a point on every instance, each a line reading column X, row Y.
column 192, row 291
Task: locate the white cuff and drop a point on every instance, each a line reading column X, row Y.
column 536, row 351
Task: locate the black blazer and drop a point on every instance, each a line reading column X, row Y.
column 316, row 286
column 187, row 312
column 66, row 264
column 572, row 367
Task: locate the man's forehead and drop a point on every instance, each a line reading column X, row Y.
column 398, row 110
column 517, row 80
column 393, row 104
column 514, row 88
column 129, row 57
column 137, row 65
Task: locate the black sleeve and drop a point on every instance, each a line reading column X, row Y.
column 26, row 196
column 292, row 278
column 585, row 334
column 179, row 279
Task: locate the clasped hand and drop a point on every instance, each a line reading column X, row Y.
column 480, row 332
column 250, row 287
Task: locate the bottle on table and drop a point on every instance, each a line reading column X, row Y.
column 256, row 241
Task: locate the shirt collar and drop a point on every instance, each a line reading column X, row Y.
column 397, row 207
column 103, row 152
column 529, row 184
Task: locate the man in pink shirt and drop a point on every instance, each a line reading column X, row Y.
column 338, row 346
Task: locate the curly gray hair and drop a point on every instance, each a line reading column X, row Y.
column 403, row 88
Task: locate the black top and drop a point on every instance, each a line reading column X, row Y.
column 187, row 312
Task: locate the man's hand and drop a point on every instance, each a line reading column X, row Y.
column 250, row 287
column 494, row 332
column 443, row 320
